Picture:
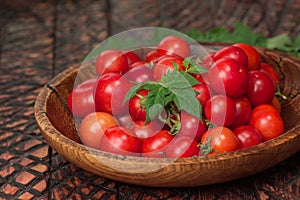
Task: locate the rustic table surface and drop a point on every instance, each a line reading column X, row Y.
column 40, row 38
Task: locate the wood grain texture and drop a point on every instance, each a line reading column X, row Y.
column 195, row 171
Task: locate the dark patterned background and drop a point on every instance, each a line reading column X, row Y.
column 39, row 39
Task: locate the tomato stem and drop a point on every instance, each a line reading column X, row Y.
column 279, row 93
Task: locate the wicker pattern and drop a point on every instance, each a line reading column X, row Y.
column 38, row 39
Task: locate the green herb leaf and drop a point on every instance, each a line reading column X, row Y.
column 244, row 34
column 133, row 90
column 186, row 101
column 155, row 97
column 173, row 88
column 282, row 42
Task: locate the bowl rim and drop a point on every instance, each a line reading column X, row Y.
column 40, row 112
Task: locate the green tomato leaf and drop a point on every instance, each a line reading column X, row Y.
column 279, row 42
column 186, row 100
column 154, row 110
column 155, row 97
column 133, row 90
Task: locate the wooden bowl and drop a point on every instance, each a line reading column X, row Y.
column 57, row 126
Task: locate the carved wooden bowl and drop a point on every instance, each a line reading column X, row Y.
column 57, row 126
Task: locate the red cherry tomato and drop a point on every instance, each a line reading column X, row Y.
column 111, row 61
column 243, row 112
column 110, row 92
column 120, row 140
column 144, row 131
column 137, row 106
column 204, row 93
column 167, row 64
column 267, row 121
column 93, row 127
column 271, row 72
column 81, row 100
column 173, row 46
column 254, row 58
column 140, row 74
column 191, row 126
column 151, row 56
column 276, row 104
column 208, row 60
column 137, row 64
column 261, row 89
column 248, row 136
column 227, row 76
column 220, row 110
column 218, row 140
column 156, row 145
column 182, row 147
column 132, row 57
column 233, row 52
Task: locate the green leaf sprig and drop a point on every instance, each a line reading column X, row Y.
column 175, row 88
column 243, row 33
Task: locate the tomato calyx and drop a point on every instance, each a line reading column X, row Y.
column 172, row 120
column 206, row 148
column 193, row 65
column 209, row 124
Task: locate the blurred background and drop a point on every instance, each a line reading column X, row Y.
column 77, row 26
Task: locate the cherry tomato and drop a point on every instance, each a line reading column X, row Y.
column 204, row 93
column 110, row 92
column 208, row 60
column 137, row 64
column 173, row 46
column 120, row 140
column 137, row 106
column 167, row 64
column 261, row 89
column 248, row 136
column 271, row 72
column 220, row 110
column 140, row 74
column 218, row 140
column 227, row 76
column 254, row 58
column 243, row 111
column 144, row 131
column 233, row 52
column 132, row 57
column 276, row 104
column 156, row 145
column 191, row 126
column 111, row 61
column 182, row 147
column 124, row 120
column 81, row 100
column 267, row 121
column 93, row 127
column 151, row 56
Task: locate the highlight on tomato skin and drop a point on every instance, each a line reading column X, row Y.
column 162, row 105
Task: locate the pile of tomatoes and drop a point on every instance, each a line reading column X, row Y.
column 235, row 89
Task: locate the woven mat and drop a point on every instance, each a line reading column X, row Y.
column 41, row 38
